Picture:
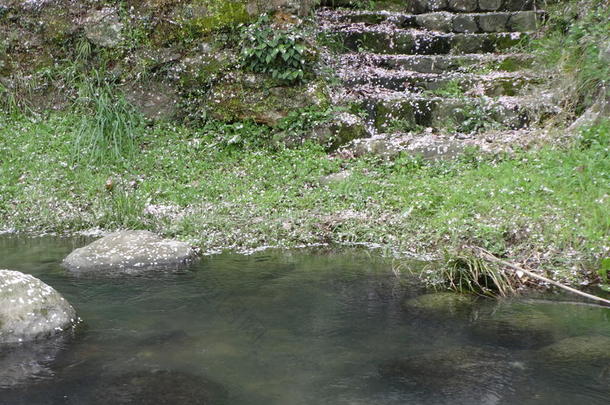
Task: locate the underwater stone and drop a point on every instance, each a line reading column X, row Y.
column 30, row 309
column 515, row 326
column 443, row 304
column 583, row 354
column 466, row 374
column 130, row 252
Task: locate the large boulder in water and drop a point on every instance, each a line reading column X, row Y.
column 30, row 309
column 130, row 252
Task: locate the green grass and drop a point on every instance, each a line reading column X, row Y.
column 550, row 206
column 573, row 37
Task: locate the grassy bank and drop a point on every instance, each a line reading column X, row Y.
column 546, row 208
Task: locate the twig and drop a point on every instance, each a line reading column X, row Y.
column 487, row 255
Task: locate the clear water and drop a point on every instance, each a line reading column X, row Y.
column 305, row 327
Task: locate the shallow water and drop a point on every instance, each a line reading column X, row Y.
column 318, row 326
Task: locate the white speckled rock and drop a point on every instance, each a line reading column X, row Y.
column 30, row 309
column 130, row 252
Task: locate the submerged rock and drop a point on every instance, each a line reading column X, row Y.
column 457, row 372
column 443, row 304
column 30, row 309
column 22, row 363
column 515, row 326
column 130, row 252
column 581, row 355
column 158, row 387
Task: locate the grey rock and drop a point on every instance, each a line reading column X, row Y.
column 463, row 5
column 104, row 27
column 518, row 5
column 155, row 100
column 338, row 131
column 493, row 22
column 435, row 21
column 597, row 112
column 30, row 309
column 525, row 21
column 490, row 5
column 465, row 23
column 130, row 252
column 436, row 5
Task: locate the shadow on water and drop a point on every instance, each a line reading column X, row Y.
column 316, row 326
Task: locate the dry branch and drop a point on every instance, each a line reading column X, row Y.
column 488, row 256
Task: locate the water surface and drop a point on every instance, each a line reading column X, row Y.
column 322, row 326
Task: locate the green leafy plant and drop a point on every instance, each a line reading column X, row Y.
column 280, row 52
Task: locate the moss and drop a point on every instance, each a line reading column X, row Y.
column 215, row 15
column 264, row 101
column 445, row 304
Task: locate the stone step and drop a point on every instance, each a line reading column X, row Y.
column 435, row 146
column 519, row 21
column 424, row 6
column 394, row 111
column 469, row 63
column 446, row 84
column 415, row 42
column 455, row 63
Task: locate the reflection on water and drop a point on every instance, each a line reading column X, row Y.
column 309, row 327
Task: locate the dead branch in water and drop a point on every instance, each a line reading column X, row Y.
column 488, row 256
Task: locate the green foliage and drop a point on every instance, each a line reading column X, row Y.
column 466, row 272
column 280, row 52
column 597, row 137
column 574, row 35
column 219, row 15
column 303, row 120
column 604, row 273
column 450, row 89
column 403, row 125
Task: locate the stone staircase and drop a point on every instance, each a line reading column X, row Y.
column 434, row 76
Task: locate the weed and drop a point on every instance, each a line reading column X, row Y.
column 571, row 46
column 466, row 272
column 280, row 52
column 109, row 127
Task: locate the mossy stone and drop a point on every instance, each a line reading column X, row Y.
column 442, row 304
column 579, row 351
column 515, row 326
